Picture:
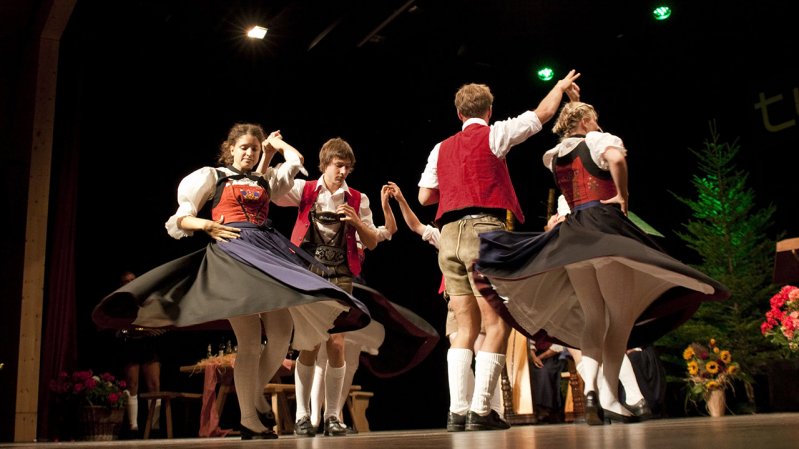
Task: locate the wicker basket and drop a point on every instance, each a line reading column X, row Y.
column 100, row 423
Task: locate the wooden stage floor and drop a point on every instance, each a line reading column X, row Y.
column 770, row 431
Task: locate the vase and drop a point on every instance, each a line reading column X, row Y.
column 716, row 403
column 100, row 423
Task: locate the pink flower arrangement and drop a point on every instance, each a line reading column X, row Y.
column 782, row 321
column 87, row 389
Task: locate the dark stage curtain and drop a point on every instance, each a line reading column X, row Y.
column 59, row 327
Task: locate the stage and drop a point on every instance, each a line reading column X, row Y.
column 771, row 431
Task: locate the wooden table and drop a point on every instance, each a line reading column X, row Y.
column 217, row 386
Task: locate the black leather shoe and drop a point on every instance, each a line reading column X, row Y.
column 304, row 428
column 456, row 422
column 334, row 428
column 247, row 434
column 267, row 419
column 593, row 412
column 611, row 417
column 491, row 421
column 640, row 409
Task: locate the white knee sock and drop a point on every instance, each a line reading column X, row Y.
column 487, row 369
column 334, row 380
column 133, row 412
column 632, row 393
column 496, row 400
column 459, row 370
column 318, row 387
column 156, row 413
column 303, row 376
column 589, row 370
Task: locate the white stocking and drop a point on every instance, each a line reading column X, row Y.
column 583, row 280
column 278, row 326
column 616, row 283
column 245, row 375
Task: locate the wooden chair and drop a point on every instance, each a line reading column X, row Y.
column 166, row 398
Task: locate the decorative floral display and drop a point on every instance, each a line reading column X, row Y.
column 709, row 368
column 84, row 388
column 782, row 321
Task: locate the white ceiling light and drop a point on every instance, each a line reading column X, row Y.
column 257, row 32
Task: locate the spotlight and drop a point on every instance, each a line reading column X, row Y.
column 661, row 12
column 257, row 32
column 545, row 74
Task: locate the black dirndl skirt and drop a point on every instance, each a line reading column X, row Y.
column 258, row 272
column 523, row 275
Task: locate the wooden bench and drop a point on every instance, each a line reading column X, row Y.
column 282, row 394
column 166, row 398
column 357, row 403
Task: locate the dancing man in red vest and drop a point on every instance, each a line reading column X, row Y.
column 332, row 218
column 467, row 176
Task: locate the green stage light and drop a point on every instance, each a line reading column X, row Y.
column 545, row 74
column 661, row 12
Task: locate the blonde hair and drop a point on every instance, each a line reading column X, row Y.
column 473, row 100
column 571, row 114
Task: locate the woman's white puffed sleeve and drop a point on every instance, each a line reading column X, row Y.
column 599, row 142
column 193, row 192
column 281, row 177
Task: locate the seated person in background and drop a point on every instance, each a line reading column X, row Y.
column 546, row 373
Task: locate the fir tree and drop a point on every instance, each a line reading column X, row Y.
column 730, row 236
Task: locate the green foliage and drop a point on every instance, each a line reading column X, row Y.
column 730, row 236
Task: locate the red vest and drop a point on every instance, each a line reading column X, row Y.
column 309, row 195
column 470, row 175
column 579, row 178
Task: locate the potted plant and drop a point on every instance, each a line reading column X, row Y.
column 98, row 401
column 711, row 372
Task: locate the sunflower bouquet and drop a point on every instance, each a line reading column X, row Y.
column 709, row 368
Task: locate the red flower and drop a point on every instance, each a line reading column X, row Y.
column 782, row 320
column 82, row 387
